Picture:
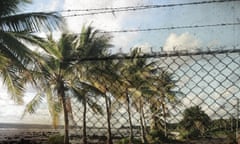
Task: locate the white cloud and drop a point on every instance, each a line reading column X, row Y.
column 106, row 22
column 12, row 112
column 103, row 22
column 213, row 44
column 53, row 5
column 184, row 41
column 145, row 47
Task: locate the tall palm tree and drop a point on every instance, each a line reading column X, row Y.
column 133, row 84
column 127, row 72
column 53, row 78
column 139, row 75
column 14, row 53
column 103, row 76
column 63, row 73
column 92, row 45
column 164, row 85
column 150, row 85
column 100, row 73
column 118, row 78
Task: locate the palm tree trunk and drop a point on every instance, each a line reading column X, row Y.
column 129, row 117
column 84, row 120
column 164, row 116
column 66, row 123
column 65, row 112
column 109, row 132
column 143, row 134
column 144, row 122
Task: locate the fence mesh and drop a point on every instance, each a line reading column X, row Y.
column 191, row 98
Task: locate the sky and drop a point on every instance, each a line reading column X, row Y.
column 167, row 40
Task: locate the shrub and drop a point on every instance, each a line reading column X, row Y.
column 126, row 141
column 56, row 139
column 156, row 137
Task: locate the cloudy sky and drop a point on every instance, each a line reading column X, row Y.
column 205, row 14
column 181, row 39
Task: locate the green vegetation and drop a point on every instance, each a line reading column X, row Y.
column 127, row 141
column 157, row 137
column 195, row 122
column 15, row 31
column 61, row 72
column 197, row 125
column 59, row 77
column 56, row 139
column 58, row 73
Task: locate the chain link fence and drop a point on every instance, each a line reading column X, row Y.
column 198, row 102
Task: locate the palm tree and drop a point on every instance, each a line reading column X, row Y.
column 115, row 77
column 14, row 53
column 150, row 85
column 53, row 79
column 133, row 77
column 140, row 76
column 113, row 81
column 164, row 85
column 127, row 72
column 92, row 44
column 101, row 73
column 103, row 77
column 63, row 74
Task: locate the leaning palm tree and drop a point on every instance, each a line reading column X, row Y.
column 104, row 77
column 139, row 69
column 133, row 83
column 164, row 86
column 14, row 53
column 127, row 70
column 149, row 84
column 100, row 74
column 52, row 79
column 88, row 98
column 92, row 45
column 63, row 74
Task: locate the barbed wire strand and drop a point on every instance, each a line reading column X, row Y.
column 135, row 8
column 160, row 54
column 167, row 28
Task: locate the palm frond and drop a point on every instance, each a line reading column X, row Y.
column 66, row 46
column 15, row 49
column 49, row 46
column 91, row 43
column 13, row 83
column 4, row 61
column 32, row 106
column 31, row 22
column 54, row 107
column 97, row 108
column 77, row 93
column 10, row 6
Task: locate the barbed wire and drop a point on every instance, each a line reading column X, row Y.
column 118, row 56
column 112, row 10
column 167, row 28
column 135, row 8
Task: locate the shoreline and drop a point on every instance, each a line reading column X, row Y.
column 25, row 126
column 26, row 136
